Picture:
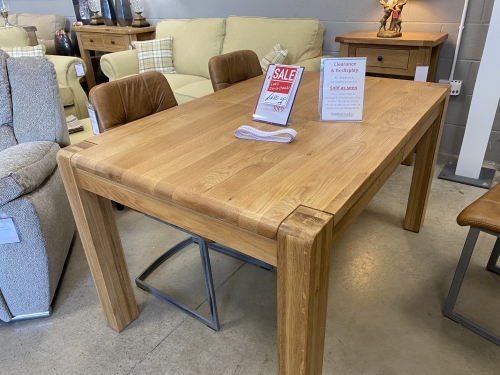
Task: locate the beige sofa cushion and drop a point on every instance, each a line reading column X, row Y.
column 303, row 38
column 46, row 26
column 14, row 37
column 179, row 80
column 66, row 95
column 193, row 91
column 195, row 42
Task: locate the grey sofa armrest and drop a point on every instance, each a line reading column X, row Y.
column 24, row 167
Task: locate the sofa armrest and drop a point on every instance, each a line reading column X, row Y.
column 120, row 64
column 312, row 65
column 66, row 76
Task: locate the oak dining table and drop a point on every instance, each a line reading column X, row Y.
column 286, row 204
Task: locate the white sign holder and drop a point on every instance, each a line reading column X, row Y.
column 342, row 89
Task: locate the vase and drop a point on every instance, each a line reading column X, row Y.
column 108, row 12
column 123, row 12
column 82, row 11
column 63, row 44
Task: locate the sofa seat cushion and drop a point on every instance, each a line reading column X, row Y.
column 195, row 41
column 24, row 167
column 193, row 91
column 177, row 81
column 7, row 137
column 66, row 95
column 303, row 38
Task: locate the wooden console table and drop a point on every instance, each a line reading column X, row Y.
column 396, row 56
column 107, row 39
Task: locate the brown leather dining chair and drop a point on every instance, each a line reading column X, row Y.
column 234, row 67
column 482, row 215
column 119, row 102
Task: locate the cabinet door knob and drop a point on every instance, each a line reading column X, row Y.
column 91, row 40
column 380, row 58
column 112, row 42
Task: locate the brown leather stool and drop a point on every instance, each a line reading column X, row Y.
column 483, row 215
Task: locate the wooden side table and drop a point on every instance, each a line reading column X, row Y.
column 107, row 39
column 395, row 56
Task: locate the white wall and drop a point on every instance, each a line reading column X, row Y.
column 340, row 16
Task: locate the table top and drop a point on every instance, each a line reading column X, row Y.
column 188, row 154
column 409, row 38
column 125, row 30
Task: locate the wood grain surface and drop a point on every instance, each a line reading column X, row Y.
column 409, row 38
column 188, row 155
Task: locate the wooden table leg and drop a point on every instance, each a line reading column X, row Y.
column 101, row 241
column 304, row 244
column 427, row 150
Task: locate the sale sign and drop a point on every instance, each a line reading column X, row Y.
column 277, row 94
column 342, row 89
column 280, row 86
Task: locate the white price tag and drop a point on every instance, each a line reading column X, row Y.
column 342, row 89
column 80, row 72
column 421, row 73
column 93, row 119
column 8, row 232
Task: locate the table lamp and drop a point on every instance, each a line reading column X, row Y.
column 392, row 12
column 95, row 7
column 138, row 7
column 4, row 11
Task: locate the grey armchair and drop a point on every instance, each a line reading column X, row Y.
column 32, row 129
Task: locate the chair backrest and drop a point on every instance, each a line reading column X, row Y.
column 230, row 68
column 119, row 102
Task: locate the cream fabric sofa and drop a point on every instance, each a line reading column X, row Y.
column 195, row 41
column 46, row 27
column 72, row 94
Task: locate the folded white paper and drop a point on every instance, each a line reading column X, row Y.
column 249, row 132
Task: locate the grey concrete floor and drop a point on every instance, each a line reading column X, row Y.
column 387, row 290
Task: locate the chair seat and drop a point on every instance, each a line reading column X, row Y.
column 484, row 213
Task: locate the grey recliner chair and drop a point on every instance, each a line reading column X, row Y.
column 32, row 129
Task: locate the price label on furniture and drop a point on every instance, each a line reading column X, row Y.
column 342, row 89
column 8, row 232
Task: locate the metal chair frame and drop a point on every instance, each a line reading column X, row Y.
column 463, row 263
column 213, row 320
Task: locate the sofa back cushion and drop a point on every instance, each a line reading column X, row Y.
column 37, row 110
column 46, row 26
column 5, row 101
column 195, row 41
column 14, row 36
column 303, row 38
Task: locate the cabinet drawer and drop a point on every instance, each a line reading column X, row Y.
column 385, row 58
column 92, row 41
column 115, row 41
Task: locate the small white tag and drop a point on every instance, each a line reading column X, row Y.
column 421, row 73
column 8, row 232
column 93, row 119
column 80, row 72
